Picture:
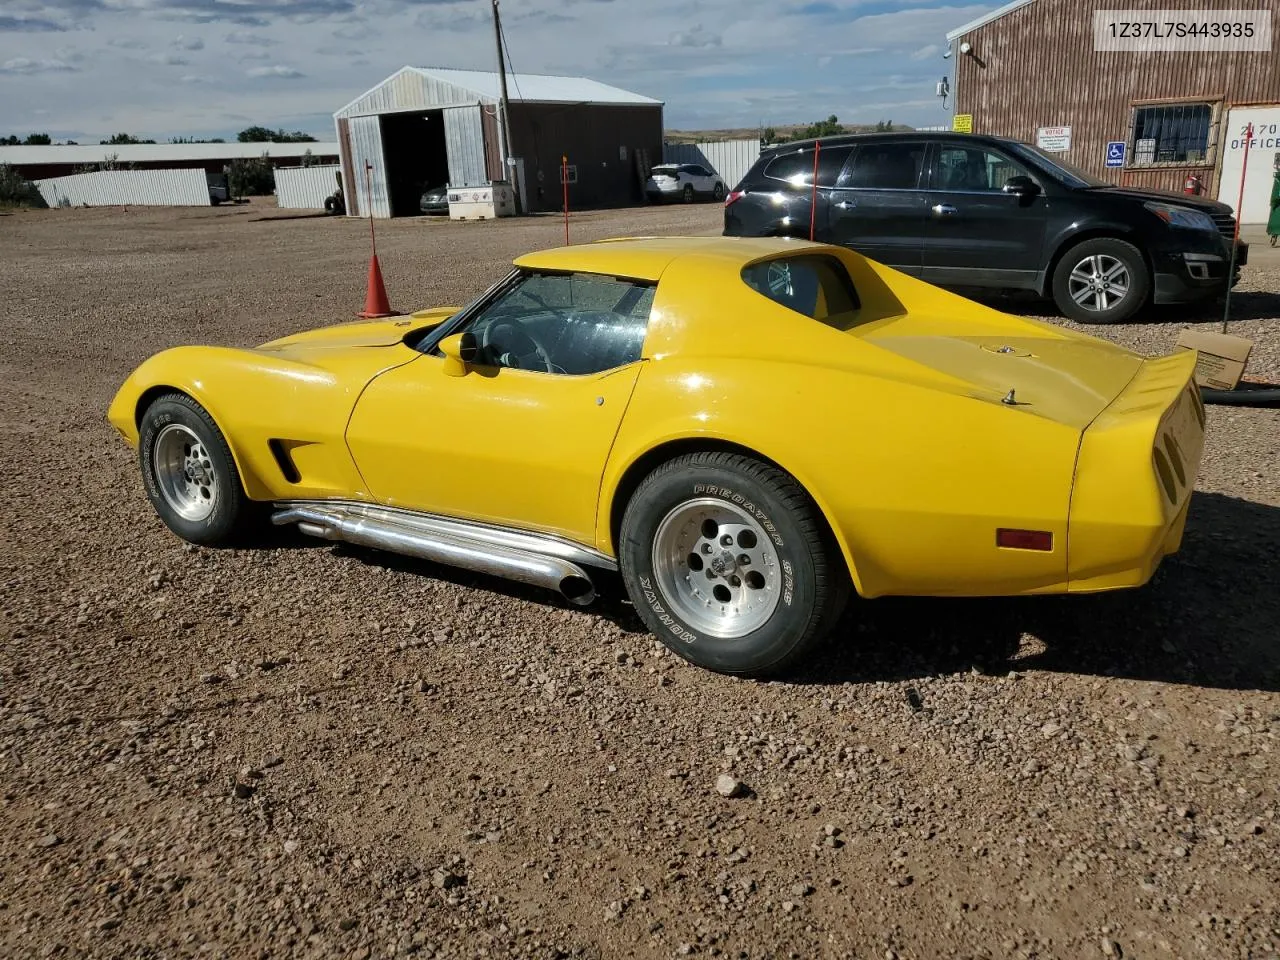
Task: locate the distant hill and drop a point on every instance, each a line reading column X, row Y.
column 781, row 133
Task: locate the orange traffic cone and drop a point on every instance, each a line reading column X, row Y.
column 375, row 300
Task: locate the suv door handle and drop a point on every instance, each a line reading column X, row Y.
column 944, row 210
column 846, row 204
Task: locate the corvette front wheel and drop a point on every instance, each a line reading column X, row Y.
column 189, row 473
column 730, row 565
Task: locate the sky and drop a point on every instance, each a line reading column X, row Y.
column 85, row 69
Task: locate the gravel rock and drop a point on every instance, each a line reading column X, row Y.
column 142, row 680
column 728, row 786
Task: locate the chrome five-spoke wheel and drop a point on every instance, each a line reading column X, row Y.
column 1099, row 282
column 716, row 567
column 184, row 473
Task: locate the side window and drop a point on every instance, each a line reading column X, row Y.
column 965, row 168
column 819, row 287
column 797, row 168
column 790, row 167
column 565, row 323
column 891, row 165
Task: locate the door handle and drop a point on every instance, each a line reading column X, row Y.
column 846, row 205
column 944, row 210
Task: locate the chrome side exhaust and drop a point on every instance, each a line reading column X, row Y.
column 515, row 555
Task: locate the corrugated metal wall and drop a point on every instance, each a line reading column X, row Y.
column 600, row 140
column 407, row 90
column 305, row 188
column 729, row 158
column 1036, row 67
column 464, row 141
column 137, row 188
column 365, row 134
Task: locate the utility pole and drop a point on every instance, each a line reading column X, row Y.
column 504, row 125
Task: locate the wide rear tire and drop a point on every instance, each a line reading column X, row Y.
column 730, row 564
column 189, row 473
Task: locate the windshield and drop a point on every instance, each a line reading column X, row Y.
column 664, row 171
column 1071, row 176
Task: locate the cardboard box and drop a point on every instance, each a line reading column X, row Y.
column 1222, row 358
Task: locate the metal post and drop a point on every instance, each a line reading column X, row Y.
column 504, row 123
column 813, row 200
column 368, row 193
column 1235, row 241
column 564, row 178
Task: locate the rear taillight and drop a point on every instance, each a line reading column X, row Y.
column 733, row 197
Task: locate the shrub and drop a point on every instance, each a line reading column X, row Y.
column 17, row 191
column 251, row 177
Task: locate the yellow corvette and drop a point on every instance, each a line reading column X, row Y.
column 745, row 428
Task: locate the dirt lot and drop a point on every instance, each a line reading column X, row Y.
column 440, row 765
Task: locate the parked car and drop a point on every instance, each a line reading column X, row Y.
column 746, row 429
column 219, row 188
column 966, row 210
column 435, row 199
column 684, row 182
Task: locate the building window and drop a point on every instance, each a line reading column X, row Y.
column 1171, row 133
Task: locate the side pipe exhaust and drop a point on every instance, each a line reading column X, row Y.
column 456, row 544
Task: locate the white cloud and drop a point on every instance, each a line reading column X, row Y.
column 276, row 70
column 249, row 38
column 27, row 65
column 188, row 43
column 193, row 78
column 925, row 52
column 168, row 59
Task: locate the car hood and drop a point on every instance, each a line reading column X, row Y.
column 333, row 347
column 1052, row 372
column 1203, row 204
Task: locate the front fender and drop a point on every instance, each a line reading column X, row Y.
column 267, row 406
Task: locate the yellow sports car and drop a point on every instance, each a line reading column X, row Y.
column 745, row 428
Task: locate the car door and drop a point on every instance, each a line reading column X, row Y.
column 706, row 181
column 980, row 233
column 877, row 205
column 522, row 438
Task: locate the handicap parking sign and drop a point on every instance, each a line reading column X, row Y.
column 1115, row 153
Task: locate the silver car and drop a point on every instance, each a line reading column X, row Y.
column 684, row 182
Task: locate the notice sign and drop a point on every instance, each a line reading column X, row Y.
column 1115, row 153
column 962, row 123
column 1053, row 139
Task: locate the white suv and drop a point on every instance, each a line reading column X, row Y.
column 683, row 181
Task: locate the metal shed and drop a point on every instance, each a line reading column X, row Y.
column 427, row 126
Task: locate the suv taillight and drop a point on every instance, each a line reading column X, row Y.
column 734, row 196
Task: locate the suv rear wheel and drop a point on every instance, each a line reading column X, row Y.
column 1101, row 281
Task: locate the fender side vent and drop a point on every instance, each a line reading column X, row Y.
column 284, row 461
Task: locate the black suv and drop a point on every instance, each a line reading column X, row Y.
column 965, row 210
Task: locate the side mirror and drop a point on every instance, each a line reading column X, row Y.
column 459, row 353
column 1023, row 187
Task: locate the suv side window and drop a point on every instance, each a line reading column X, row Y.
column 797, row 168
column 891, row 165
column 972, row 169
column 817, row 286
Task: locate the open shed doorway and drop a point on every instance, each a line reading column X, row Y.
column 413, row 148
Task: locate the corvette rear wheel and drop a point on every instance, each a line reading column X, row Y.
column 189, row 473
column 730, row 565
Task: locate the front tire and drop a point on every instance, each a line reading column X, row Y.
column 729, row 563
column 687, row 193
column 189, row 473
column 717, row 192
column 1101, row 281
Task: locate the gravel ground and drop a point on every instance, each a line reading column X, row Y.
column 314, row 751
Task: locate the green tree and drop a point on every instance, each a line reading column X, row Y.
column 251, row 177
column 823, row 128
column 120, row 139
column 38, row 140
column 884, row 126
column 263, row 135
column 768, row 136
column 10, row 141
column 16, row 190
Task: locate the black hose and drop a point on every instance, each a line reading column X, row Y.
column 1245, row 395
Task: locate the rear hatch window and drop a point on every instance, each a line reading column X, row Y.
column 817, row 286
